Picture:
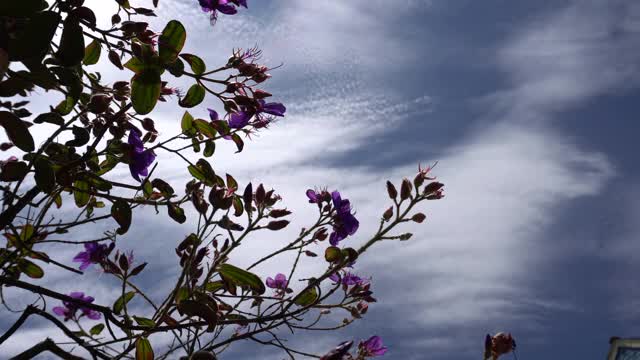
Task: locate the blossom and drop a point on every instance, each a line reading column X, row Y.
column 140, row 159
column 344, row 223
column 372, row 347
column 273, row 108
column 94, row 253
column 313, row 196
column 499, row 344
column 280, row 282
column 69, row 309
column 239, row 119
column 227, row 7
column 348, row 279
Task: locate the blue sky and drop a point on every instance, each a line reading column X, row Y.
column 528, row 106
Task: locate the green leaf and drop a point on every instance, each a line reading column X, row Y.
column 96, row 329
column 307, row 297
column 145, row 90
column 187, row 123
column 205, row 128
column 194, row 96
column 17, row 131
column 20, row 8
column 66, row 106
column 214, row 286
column 122, row 301
column 144, row 351
column 81, row 193
column 34, row 42
column 241, row 278
column 176, row 68
column 176, row 213
column 134, row 64
column 121, row 212
column 196, row 173
column 44, row 176
column 30, row 269
column 333, row 254
column 171, row 41
column 197, row 65
column 144, row 321
column 202, row 309
column 209, row 148
column 147, row 188
column 71, row 50
column 92, row 53
column 238, row 141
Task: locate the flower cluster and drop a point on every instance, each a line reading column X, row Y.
column 344, row 221
column 279, row 284
column 348, row 279
column 227, row 7
column 70, row 309
column 499, row 344
column 94, row 253
column 371, row 347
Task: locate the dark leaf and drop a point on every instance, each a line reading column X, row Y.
column 238, row 141
column 71, row 50
column 17, row 131
column 176, row 213
column 121, row 212
column 34, row 42
column 20, row 8
column 50, row 117
column 44, row 176
column 13, row 171
column 81, row 137
column 307, row 297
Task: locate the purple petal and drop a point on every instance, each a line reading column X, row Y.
column 334, row 239
column 135, row 141
column 85, row 265
column 276, row 109
column 213, row 115
column 59, row 310
column 335, row 277
column 82, row 257
column 239, row 120
column 271, row 283
column 91, row 314
column 227, row 9
column 337, row 200
column 313, row 197
column 77, row 295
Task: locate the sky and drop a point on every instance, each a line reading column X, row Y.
column 528, row 107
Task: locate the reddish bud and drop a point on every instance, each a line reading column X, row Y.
column 432, row 187
column 405, row 189
column 6, row 146
column 393, row 193
column 148, row 124
column 388, row 214
column 277, row 225
column 99, row 103
column 419, row 217
column 310, row 253
column 260, row 94
column 320, row 234
column 418, row 181
column 260, row 195
column 277, row 213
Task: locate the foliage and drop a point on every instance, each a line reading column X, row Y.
column 52, row 46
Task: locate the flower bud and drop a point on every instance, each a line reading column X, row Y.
column 260, row 77
column 277, row 213
column 230, row 106
column 247, row 197
column 405, row 189
column 419, row 217
column 260, row 94
column 388, row 214
column 260, row 195
column 393, row 193
column 6, row 146
column 148, row 124
column 277, row 225
column 362, row 307
column 99, row 103
column 432, row 187
column 115, row 19
column 418, row 180
column 405, row 236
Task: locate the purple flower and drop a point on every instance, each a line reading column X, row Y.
column 348, row 279
column 372, row 347
column 69, row 309
column 227, row 7
column 275, row 109
column 280, row 282
column 313, row 196
column 140, row 159
column 344, row 223
column 94, row 253
column 239, row 119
